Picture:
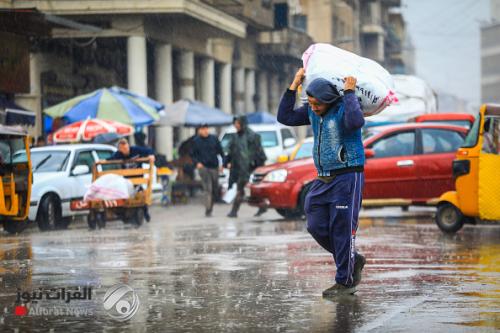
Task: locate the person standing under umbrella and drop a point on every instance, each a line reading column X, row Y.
column 205, row 154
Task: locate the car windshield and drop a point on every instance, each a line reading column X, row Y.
column 304, row 151
column 225, row 141
column 267, row 138
column 471, row 138
column 46, row 161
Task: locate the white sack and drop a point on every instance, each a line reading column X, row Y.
column 110, row 187
column 230, row 194
column 374, row 87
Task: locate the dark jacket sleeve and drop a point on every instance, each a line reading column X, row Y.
column 193, row 153
column 353, row 116
column 219, row 148
column 117, row 155
column 228, row 158
column 140, row 151
column 287, row 115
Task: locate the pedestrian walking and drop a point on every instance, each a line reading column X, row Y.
column 206, row 153
column 334, row 200
column 245, row 154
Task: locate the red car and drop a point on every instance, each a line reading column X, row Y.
column 459, row 119
column 406, row 164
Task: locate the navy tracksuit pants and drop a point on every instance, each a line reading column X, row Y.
column 332, row 211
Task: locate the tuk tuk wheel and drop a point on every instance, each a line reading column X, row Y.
column 449, row 218
column 15, row 227
column 138, row 217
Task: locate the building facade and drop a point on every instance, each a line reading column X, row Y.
column 490, row 63
column 237, row 55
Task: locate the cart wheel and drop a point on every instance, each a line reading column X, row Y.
column 449, row 218
column 101, row 220
column 91, row 220
column 15, row 227
column 138, row 217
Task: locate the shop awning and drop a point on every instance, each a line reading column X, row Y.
column 13, row 114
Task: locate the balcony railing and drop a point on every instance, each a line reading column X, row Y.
column 256, row 13
column 285, row 42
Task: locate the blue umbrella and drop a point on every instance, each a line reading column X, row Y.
column 261, row 117
column 193, row 113
column 109, row 104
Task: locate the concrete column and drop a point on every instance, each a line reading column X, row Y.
column 249, row 91
column 225, row 88
column 263, row 92
column 239, row 91
column 33, row 100
column 274, row 91
column 208, row 81
column 36, row 89
column 186, row 76
column 136, row 65
column 164, row 94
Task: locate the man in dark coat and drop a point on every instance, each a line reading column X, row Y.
column 205, row 152
column 245, row 153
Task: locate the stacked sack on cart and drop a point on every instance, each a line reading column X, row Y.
column 110, row 187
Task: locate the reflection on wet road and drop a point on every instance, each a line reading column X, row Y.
column 257, row 274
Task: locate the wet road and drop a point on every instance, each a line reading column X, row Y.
column 256, row 274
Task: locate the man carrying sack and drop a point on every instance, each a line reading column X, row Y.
column 334, row 200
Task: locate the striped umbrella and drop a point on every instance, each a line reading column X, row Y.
column 109, row 104
column 86, row 130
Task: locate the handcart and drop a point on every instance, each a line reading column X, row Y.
column 129, row 210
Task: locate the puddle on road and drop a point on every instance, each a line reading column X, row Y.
column 226, row 275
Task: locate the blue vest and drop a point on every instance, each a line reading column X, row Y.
column 335, row 147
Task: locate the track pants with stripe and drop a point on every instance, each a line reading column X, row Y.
column 332, row 211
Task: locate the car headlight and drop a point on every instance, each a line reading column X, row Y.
column 276, row 176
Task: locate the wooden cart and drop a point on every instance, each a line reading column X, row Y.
column 128, row 210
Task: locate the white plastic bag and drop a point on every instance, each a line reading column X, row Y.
column 230, row 194
column 110, row 187
column 374, row 87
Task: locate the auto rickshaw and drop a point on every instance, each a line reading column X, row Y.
column 16, row 179
column 476, row 170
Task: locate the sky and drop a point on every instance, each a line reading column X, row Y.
column 446, row 37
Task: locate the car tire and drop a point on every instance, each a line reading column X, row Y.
column 290, row 213
column 63, row 223
column 15, row 227
column 449, row 218
column 49, row 213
